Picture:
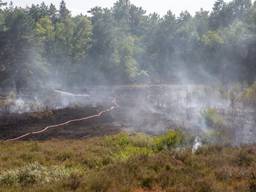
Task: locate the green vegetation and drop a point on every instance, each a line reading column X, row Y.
column 249, row 96
column 125, row 162
column 217, row 130
column 169, row 140
column 34, row 173
column 213, row 118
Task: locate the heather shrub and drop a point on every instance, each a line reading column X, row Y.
column 252, row 182
column 34, row 174
column 168, row 140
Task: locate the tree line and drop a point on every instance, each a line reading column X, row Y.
column 42, row 45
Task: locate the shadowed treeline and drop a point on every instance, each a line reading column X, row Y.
column 44, row 46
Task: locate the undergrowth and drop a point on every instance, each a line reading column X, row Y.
column 126, row 162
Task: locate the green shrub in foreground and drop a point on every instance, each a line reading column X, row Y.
column 126, row 146
column 34, row 174
column 168, row 140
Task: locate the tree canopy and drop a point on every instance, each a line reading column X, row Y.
column 42, row 44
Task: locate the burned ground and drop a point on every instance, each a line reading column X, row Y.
column 14, row 125
column 197, row 110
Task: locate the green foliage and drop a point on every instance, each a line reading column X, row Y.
column 249, row 96
column 130, row 146
column 63, row 11
column 34, row 174
column 45, row 28
column 139, row 144
column 213, row 118
column 120, row 140
column 169, row 140
column 133, row 151
column 123, row 44
column 216, row 127
column 212, row 39
column 122, row 163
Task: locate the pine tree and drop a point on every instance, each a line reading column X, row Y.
column 63, row 12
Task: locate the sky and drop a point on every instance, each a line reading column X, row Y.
column 158, row 6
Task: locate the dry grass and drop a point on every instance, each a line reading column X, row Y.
column 125, row 162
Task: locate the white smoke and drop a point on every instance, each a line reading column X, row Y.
column 197, row 144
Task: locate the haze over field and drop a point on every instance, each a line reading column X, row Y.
column 51, row 59
column 120, row 98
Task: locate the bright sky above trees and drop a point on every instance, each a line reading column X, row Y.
column 159, row 6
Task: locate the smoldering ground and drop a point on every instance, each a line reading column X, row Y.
column 204, row 112
column 56, row 74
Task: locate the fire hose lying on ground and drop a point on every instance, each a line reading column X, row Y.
column 100, row 114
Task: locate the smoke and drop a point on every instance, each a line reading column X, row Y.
column 197, row 144
column 202, row 111
column 192, row 100
column 206, row 112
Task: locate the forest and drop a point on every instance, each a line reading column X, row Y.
column 44, row 46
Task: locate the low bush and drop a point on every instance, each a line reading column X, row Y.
column 34, row 174
column 169, row 140
column 252, row 182
column 243, row 158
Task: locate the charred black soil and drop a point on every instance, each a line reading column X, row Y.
column 13, row 125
